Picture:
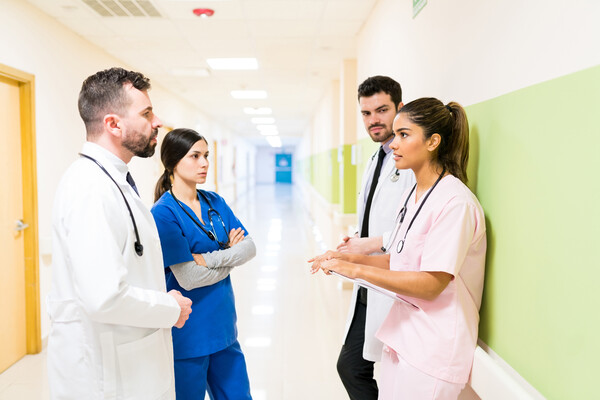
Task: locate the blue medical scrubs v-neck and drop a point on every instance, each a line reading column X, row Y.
column 212, row 323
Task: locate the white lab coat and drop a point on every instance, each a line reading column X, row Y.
column 111, row 316
column 386, row 202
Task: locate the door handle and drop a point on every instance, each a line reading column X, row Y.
column 20, row 225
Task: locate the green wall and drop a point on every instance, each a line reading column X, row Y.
column 324, row 176
column 534, row 167
column 348, row 186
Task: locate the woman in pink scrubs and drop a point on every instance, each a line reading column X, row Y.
column 435, row 259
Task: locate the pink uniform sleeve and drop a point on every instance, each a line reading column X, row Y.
column 450, row 237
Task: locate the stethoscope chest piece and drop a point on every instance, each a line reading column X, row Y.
column 139, row 249
column 400, row 246
column 395, row 177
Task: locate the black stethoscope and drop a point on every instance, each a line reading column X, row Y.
column 139, row 249
column 402, row 214
column 212, row 234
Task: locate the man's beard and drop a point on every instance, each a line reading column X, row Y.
column 140, row 145
column 382, row 136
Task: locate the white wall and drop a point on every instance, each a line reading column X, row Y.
column 33, row 42
column 473, row 50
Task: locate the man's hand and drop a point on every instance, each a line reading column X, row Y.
column 358, row 245
column 186, row 307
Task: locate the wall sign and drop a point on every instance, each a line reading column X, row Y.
column 418, row 6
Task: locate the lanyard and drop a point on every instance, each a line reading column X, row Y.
column 402, row 214
column 212, row 234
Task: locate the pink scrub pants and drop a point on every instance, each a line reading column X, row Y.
column 401, row 381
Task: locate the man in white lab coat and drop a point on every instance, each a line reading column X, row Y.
column 380, row 98
column 111, row 315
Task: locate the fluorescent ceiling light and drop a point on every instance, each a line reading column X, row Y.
column 267, row 128
column 274, row 141
column 258, row 110
column 197, row 72
column 232, row 64
column 249, row 94
column 263, row 120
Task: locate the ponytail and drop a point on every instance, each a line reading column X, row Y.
column 162, row 185
column 457, row 156
column 450, row 122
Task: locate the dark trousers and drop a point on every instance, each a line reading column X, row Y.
column 356, row 372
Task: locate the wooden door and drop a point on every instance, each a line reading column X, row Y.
column 13, row 333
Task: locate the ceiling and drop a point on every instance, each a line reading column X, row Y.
column 299, row 45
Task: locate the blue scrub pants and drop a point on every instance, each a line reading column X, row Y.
column 224, row 371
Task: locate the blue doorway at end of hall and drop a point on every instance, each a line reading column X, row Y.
column 283, row 168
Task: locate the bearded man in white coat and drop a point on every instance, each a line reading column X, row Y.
column 111, row 315
column 380, row 98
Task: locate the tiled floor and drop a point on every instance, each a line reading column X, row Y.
column 290, row 322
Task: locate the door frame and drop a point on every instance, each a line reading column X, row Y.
column 26, row 84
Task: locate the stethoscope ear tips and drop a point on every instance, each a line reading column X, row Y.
column 139, row 249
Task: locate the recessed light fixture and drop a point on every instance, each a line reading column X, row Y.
column 258, row 110
column 267, row 130
column 263, row 120
column 232, row 64
column 249, row 94
column 197, row 72
column 274, row 141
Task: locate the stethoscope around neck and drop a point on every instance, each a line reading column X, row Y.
column 212, row 234
column 139, row 249
column 402, row 214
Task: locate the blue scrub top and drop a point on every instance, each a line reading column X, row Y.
column 212, row 323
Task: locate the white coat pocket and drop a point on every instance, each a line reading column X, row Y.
column 145, row 366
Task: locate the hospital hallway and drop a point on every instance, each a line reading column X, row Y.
column 290, row 322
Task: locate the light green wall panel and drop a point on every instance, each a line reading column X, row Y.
column 347, row 174
column 534, row 167
column 324, row 175
column 335, row 177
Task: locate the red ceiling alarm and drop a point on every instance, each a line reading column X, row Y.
column 203, row 12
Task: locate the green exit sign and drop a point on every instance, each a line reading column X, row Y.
column 418, row 6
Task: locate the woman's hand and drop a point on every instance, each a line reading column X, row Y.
column 198, row 259
column 236, row 236
column 319, row 260
column 342, row 267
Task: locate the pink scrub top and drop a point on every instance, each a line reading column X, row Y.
column 448, row 235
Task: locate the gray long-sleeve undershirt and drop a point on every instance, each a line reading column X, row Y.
column 219, row 264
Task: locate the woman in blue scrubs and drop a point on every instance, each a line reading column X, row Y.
column 202, row 240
